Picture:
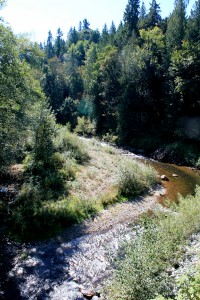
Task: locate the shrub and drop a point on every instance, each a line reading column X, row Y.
column 34, row 218
column 198, row 163
column 188, row 287
column 69, row 143
column 110, row 138
column 134, row 177
column 185, row 153
column 84, row 127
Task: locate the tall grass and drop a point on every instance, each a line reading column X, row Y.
column 71, row 145
column 141, row 269
column 134, row 177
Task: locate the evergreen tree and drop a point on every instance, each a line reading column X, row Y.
column 86, row 24
column 153, row 17
column 59, row 44
column 73, row 76
column 55, row 85
column 131, row 16
column 106, row 90
column 49, row 48
column 104, row 36
column 80, row 26
column 176, row 26
column 73, row 36
column 143, row 86
column 86, row 31
column 193, row 24
column 90, row 78
column 121, row 36
column 142, row 16
column 112, row 32
column 94, row 36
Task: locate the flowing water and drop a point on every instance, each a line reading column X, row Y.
column 185, row 182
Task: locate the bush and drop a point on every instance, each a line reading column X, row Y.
column 185, row 153
column 198, row 163
column 110, row 138
column 142, row 265
column 188, row 287
column 32, row 218
column 69, row 143
column 134, row 177
column 84, row 127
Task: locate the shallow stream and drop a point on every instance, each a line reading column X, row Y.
column 185, row 182
column 54, row 270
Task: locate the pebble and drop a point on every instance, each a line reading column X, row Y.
column 20, row 271
column 58, row 268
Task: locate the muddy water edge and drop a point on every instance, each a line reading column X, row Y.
column 183, row 183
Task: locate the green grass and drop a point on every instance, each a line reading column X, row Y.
column 71, row 145
column 60, row 191
column 141, row 269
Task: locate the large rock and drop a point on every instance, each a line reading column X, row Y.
column 164, row 178
column 174, row 175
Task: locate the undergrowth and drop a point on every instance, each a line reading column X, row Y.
column 47, row 179
column 141, row 269
column 52, row 197
column 134, row 177
column 71, row 145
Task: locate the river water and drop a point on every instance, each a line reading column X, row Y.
column 185, row 182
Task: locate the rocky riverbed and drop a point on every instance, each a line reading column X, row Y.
column 82, row 257
column 80, row 261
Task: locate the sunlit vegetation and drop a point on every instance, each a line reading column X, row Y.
column 142, row 269
column 70, row 183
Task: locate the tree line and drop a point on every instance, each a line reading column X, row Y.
column 139, row 77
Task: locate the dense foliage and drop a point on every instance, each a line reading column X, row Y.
column 140, row 78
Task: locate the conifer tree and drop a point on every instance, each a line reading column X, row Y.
column 153, row 17
column 131, row 15
column 176, row 25
column 49, row 48
column 142, row 16
column 59, row 44
column 104, row 35
column 73, row 36
column 193, row 24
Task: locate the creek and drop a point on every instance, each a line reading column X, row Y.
column 55, row 269
column 185, row 182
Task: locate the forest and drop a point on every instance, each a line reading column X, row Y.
column 125, row 84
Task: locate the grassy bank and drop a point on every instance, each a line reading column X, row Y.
column 142, row 269
column 81, row 178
